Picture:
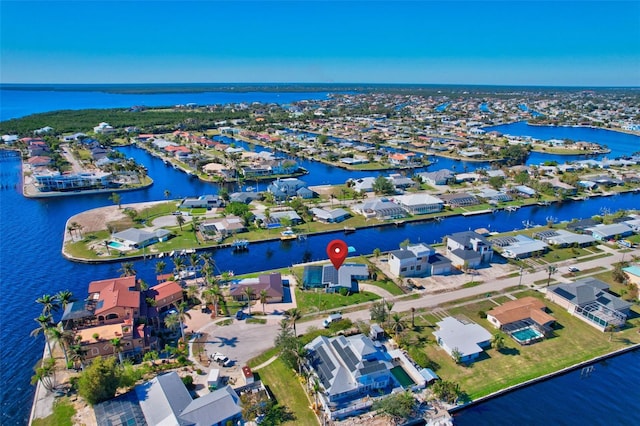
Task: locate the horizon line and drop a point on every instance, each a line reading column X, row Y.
column 266, row 83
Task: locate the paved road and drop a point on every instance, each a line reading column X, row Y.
column 241, row 341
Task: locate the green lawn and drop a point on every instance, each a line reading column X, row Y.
column 574, row 342
column 313, row 301
column 289, row 392
column 63, row 411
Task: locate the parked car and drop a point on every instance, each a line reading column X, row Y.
column 241, row 315
column 573, row 269
column 331, row 318
column 221, row 359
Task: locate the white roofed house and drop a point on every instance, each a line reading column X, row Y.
column 461, row 339
column 419, row 203
column 610, row 232
column 418, row 260
column 330, row 216
column 439, row 177
column 519, row 246
column 562, row 238
column 222, row 227
column 133, row 238
column 380, row 208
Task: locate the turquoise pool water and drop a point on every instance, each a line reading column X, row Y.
column 117, row 245
column 526, row 334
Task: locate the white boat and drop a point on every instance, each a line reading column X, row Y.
column 288, row 235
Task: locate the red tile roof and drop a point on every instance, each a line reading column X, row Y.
column 115, row 292
column 166, row 289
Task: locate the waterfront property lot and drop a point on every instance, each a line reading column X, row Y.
column 288, row 391
column 317, row 300
column 574, row 341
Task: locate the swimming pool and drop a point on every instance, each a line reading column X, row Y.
column 117, row 245
column 526, row 335
column 402, row 377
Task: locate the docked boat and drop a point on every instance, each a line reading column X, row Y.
column 349, row 229
column 511, row 208
column 240, row 245
column 288, row 235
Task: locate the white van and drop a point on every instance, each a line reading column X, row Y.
column 331, row 318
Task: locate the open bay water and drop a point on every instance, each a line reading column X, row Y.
column 31, row 233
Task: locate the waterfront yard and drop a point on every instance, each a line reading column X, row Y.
column 574, row 342
column 288, row 391
column 310, row 301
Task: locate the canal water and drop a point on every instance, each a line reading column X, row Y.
column 32, row 232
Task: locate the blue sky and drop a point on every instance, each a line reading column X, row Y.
column 584, row 43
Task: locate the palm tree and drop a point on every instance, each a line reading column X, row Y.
column 64, row 337
column 126, row 269
column 44, row 326
column 397, row 324
column 249, row 292
column 264, row 295
column 182, row 315
column 497, row 342
column 194, row 259
column 213, row 295
column 300, row 353
column 159, row 268
column 389, row 306
column 294, row 315
column 49, row 303
column 178, row 262
column 413, row 317
column 181, row 220
column 551, row 269
column 64, row 298
column 117, row 347
column 77, row 354
column 172, row 321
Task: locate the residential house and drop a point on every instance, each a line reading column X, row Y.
column 613, row 231
column 275, row 218
column 134, row 239
column 204, row 201
column 524, row 191
column 222, row 227
column 364, row 184
column 520, row 314
column 418, row 260
column 462, row 340
column 39, row 161
column 439, row 177
column 519, row 246
column 56, row 181
column 459, row 199
column 493, row 195
column 165, row 400
column 419, row 203
column 97, row 341
column 562, row 238
column 330, row 216
column 348, row 368
column 165, row 295
column 115, row 299
column 589, row 300
column 283, row 189
column 380, row 208
column 468, row 248
column 104, row 129
column 332, row 280
column 401, row 182
column 271, row 283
